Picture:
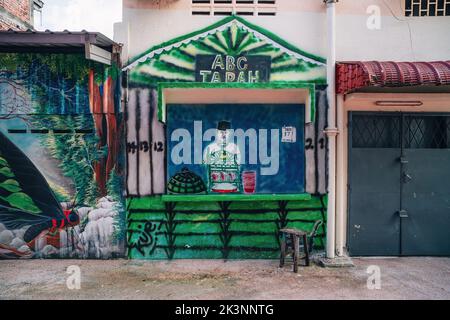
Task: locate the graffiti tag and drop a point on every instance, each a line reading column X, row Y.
column 146, row 238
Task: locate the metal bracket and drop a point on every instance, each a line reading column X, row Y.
column 403, row 160
column 331, row 132
column 403, row 214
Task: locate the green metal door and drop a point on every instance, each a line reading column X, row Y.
column 374, row 186
column 426, row 185
column 399, row 184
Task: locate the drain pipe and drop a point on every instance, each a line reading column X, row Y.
column 331, row 131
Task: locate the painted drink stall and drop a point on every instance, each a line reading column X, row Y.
column 224, row 144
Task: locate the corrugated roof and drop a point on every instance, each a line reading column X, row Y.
column 52, row 40
column 351, row 76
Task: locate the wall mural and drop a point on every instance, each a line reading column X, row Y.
column 232, row 37
column 60, row 170
column 216, row 230
column 233, row 153
column 159, row 165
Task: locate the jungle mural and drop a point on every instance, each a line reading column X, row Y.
column 60, row 164
column 203, row 199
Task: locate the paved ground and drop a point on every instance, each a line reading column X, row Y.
column 401, row 278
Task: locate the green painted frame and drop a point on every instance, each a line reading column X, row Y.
column 311, row 87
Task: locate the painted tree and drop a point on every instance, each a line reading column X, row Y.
column 67, row 84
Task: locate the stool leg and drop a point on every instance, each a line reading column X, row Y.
column 292, row 244
column 296, row 243
column 283, row 250
column 305, row 246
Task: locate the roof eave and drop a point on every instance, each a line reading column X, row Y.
column 46, row 39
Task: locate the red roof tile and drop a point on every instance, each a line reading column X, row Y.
column 351, row 76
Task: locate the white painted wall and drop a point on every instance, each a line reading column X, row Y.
column 303, row 23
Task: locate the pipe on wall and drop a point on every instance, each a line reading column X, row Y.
column 341, row 172
column 331, row 129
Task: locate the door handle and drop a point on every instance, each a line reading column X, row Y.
column 403, row 214
column 406, row 177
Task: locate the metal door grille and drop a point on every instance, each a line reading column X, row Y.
column 380, row 131
column 385, row 131
column 427, row 132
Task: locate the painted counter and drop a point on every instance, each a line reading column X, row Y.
column 217, row 226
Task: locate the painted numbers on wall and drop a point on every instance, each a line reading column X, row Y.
column 310, row 144
column 144, row 146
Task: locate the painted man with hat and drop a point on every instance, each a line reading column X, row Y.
column 223, row 159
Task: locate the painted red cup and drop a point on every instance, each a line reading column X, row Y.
column 249, row 181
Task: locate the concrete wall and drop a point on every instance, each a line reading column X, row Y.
column 303, row 23
column 15, row 14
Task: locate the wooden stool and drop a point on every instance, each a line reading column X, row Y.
column 295, row 236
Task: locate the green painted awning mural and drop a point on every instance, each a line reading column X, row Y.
column 175, row 60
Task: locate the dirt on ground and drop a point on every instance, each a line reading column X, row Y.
column 401, row 278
